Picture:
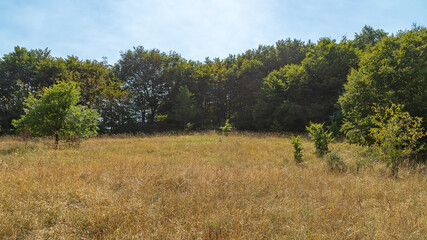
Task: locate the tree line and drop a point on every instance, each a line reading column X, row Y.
column 280, row 87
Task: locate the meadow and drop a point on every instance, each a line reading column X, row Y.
column 203, row 186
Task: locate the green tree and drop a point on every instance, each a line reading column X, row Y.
column 56, row 113
column 396, row 135
column 142, row 73
column 320, row 137
column 394, row 70
column 296, row 143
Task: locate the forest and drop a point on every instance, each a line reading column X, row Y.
column 280, row 88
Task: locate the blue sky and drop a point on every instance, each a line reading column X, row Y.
column 196, row 29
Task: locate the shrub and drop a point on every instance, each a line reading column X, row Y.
column 296, row 143
column 397, row 135
column 226, row 129
column 320, row 137
column 189, row 126
column 335, row 162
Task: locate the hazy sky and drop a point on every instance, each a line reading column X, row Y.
column 196, row 29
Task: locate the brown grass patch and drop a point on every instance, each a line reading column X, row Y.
column 202, row 186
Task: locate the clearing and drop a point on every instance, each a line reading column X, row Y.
column 206, row 186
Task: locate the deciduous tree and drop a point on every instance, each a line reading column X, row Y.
column 56, row 113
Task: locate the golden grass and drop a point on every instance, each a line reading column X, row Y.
column 202, row 186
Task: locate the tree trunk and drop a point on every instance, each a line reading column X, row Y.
column 56, row 140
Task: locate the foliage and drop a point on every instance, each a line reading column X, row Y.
column 184, row 111
column 320, row 137
column 396, row 134
column 226, row 129
column 56, row 113
column 394, row 70
column 296, row 143
column 81, row 122
column 142, row 72
column 279, row 87
column 189, row 126
column 281, row 103
column 283, row 98
column 22, row 72
column 336, row 121
column 335, row 162
column 368, row 37
column 99, row 89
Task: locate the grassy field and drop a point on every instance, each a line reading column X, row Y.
column 203, row 186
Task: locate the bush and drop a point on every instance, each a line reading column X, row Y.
column 189, row 126
column 226, row 129
column 296, row 143
column 335, row 162
column 320, row 137
column 397, row 135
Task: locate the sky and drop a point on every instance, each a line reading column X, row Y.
column 196, row 29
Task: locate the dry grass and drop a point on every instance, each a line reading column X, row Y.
column 202, row 187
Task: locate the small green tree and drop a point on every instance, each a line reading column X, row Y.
column 296, row 143
column 226, row 129
column 320, row 137
column 56, row 113
column 397, row 135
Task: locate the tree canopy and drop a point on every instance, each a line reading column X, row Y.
column 56, row 113
column 393, row 71
column 278, row 87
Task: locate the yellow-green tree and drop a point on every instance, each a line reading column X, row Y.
column 396, row 135
column 56, row 113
